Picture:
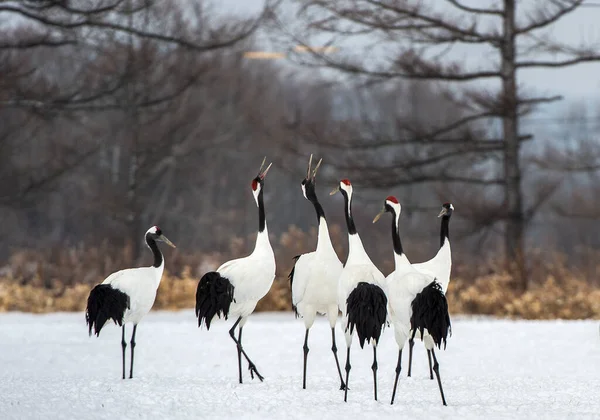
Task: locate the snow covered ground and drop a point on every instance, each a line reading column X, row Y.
column 50, row 369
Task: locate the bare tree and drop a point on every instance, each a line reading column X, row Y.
column 71, row 60
column 418, row 38
column 90, row 26
column 576, row 160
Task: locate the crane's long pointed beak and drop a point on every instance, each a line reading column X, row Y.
column 379, row 215
column 443, row 212
column 314, row 175
column 336, row 189
column 166, row 240
column 264, row 174
column 262, row 165
column 309, row 165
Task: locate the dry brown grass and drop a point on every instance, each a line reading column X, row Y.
column 490, row 295
column 35, row 282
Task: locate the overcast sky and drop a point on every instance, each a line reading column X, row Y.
column 577, row 82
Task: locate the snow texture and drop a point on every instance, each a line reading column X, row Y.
column 493, row 369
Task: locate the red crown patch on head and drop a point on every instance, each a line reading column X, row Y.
column 392, row 199
column 254, row 184
column 446, row 204
column 346, row 181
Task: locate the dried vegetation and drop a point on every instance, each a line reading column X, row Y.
column 60, row 280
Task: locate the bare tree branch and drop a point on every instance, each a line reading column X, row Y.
column 560, row 63
column 546, row 18
column 100, row 18
column 477, row 10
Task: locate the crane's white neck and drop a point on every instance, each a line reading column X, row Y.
column 262, row 242
column 401, row 262
column 323, row 239
column 356, row 250
column 444, row 251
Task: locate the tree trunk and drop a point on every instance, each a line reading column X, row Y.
column 133, row 218
column 513, row 239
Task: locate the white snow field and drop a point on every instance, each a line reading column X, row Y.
column 51, row 369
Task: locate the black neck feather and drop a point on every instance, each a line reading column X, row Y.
column 444, row 231
column 262, row 222
column 348, row 212
column 396, row 236
column 312, row 197
column 158, row 257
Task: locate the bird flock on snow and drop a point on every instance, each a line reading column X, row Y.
column 411, row 299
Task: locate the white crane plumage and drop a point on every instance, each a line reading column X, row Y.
column 235, row 287
column 126, row 296
column 314, row 278
column 438, row 267
column 361, row 292
column 416, row 301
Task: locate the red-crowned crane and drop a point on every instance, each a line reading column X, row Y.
column 361, row 292
column 439, row 267
column 235, row 287
column 416, row 301
column 126, row 296
column 314, row 278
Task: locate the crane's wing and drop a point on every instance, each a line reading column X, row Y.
column 114, row 277
column 131, row 281
column 354, row 274
column 250, row 277
column 438, row 267
column 300, row 276
column 227, row 266
column 428, row 268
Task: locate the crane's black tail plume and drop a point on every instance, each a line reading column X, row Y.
column 291, row 278
column 105, row 303
column 367, row 311
column 213, row 297
column 430, row 311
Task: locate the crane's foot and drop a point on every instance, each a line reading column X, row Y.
column 254, row 371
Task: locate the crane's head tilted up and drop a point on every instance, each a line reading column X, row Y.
column 447, row 209
column 391, row 205
column 259, row 181
column 308, row 183
column 156, row 233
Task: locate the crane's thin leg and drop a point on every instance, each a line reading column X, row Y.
column 411, row 343
column 251, row 365
column 237, row 342
column 436, row 369
column 347, row 374
column 132, row 347
column 430, row 369
column 305, row 348
column 374, row 368
column 239, row 352
column 123, row 346
column 398, row 369
column 337, row 362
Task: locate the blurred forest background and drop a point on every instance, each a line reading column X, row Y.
column 119, row 114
